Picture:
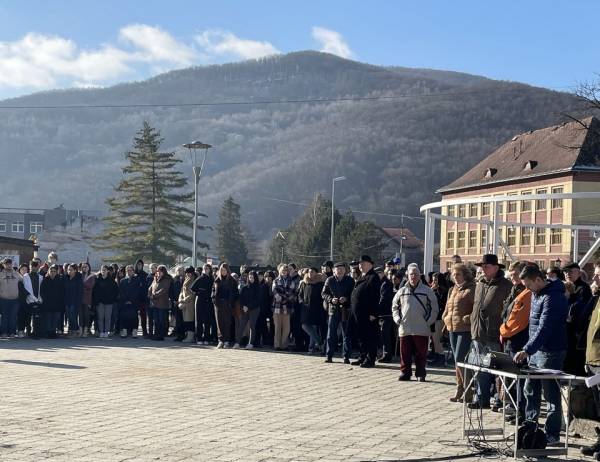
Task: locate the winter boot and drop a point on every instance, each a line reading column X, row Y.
column 460, row 390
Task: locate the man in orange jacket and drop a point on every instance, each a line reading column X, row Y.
column 514, row 331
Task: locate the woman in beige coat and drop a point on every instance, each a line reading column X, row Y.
column 457, row 320
column 187, row 303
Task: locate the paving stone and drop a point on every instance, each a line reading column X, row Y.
column 136, row 400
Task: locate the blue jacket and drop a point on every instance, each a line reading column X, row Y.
column 73, row 290
column 548, row 319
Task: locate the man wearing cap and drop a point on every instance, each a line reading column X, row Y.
column 336, row 294
column 364, row 304
column 577, row 321
column 490, row 292
column 9, row 299
column 415, row 309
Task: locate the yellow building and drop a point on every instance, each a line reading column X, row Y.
column 554, row 160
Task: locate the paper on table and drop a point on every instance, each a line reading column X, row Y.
column 593, row 381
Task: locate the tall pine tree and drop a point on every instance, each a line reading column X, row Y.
column 231, row 244
column 307, row 241
column 149, row 214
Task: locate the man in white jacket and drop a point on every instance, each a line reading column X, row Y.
column 32, row 283
column 414, row 309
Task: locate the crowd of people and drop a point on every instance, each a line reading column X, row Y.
column 548, row 318
column 545, row 319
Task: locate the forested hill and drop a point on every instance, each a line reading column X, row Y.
column 429, row 128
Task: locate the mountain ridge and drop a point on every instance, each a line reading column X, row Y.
column 428, row 127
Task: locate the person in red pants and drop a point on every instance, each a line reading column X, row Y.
column 414, row 309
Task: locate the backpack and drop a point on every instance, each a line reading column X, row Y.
column 530, row 436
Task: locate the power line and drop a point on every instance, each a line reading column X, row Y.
column 366, row 212
column 264, row 102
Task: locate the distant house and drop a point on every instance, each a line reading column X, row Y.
column 19, row 250
column 402, row 243
column 560, row 159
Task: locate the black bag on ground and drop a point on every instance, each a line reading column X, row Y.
column 530, row 436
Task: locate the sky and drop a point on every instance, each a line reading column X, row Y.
column 83, row 43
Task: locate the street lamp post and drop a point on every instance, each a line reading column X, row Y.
column 333, row 182
column 197, row 169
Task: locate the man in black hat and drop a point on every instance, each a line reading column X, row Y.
column 365, row 309
column 490, row 292
column 327, row 268
column 577, row 321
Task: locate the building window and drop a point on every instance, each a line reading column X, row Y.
column 18, row 227
column 512, row 206
column 449, row 265
column 473, row 239
column 526, row 205
column 555, row 236
column 473, row 210
column 485, row 209
column 541, row 264
column 461, row 240
column 450, row 210
column 483, row 238
column 557, row 203
column 36, row 227
column 450, row 240
column 462, row 210
column 500, row 207
column 511, row 236
column 540, row 204
column 2, row 226
column 526, row 235
column 540, row 236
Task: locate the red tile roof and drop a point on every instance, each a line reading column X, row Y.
column 411, row 241
column 562, row 148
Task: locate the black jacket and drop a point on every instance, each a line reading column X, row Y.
column 311, row 301
column 129, row 290
column 53, row 294
column 365, row 296
column 266, row 298
column 250, row 296
column 335, row 288
column 386, row 296
column 105, row 291
column 202, row 287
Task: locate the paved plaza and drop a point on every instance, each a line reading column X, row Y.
column 137, row 400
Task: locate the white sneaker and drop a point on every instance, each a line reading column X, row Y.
column 249, row 346
column 226, row 345
column 236, row 346
column 21, row 334
column 221, row 345
column 86, row 332
column 123, row 333
column 206, row 342
column 199, row 343
column 134, row 333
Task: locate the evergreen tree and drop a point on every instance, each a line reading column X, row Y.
column 307, row 241
column 231, row 244
column 364, row 238
column 149, row 215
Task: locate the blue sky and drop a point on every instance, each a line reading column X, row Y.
column 65, row 43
